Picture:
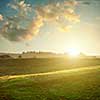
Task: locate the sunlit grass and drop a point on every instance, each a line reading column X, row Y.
column 80, row 84
column 50, row 79
column 51, row 73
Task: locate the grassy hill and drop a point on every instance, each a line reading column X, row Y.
column 30, row 66
column 79, row 85
column 30, row 79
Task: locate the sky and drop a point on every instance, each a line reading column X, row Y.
column 50, row 25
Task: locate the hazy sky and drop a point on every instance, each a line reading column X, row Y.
column 50, row 25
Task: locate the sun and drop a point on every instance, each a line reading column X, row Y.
column 73, row 52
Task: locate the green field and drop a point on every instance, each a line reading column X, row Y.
column 50, row 79
column 30, row 66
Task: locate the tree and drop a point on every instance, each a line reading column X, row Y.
column 19, row 56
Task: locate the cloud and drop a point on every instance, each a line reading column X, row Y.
column 58, row 11
column 98, row 18
column 28, row 45
column 71, row 3
column 55, row 11
column 1, row 17
column 65, row 28
column 86, row 3
column 14, row 30
column 72, row 17
column 35, row 26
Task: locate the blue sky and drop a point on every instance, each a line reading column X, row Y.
column 50, row 25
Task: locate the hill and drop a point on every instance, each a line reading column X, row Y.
column 75, row 85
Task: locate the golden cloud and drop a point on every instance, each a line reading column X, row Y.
column 71, row 3
column 1, row 17
column 65, row 28
column 53, row 12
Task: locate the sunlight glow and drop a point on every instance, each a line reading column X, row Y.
column 73, row 52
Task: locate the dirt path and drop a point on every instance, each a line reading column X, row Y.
column 51, row 73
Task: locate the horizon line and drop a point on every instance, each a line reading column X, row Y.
column 7, row 52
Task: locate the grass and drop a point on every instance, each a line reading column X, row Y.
column 82, row 85
column 76, row 85
column 30, row 66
